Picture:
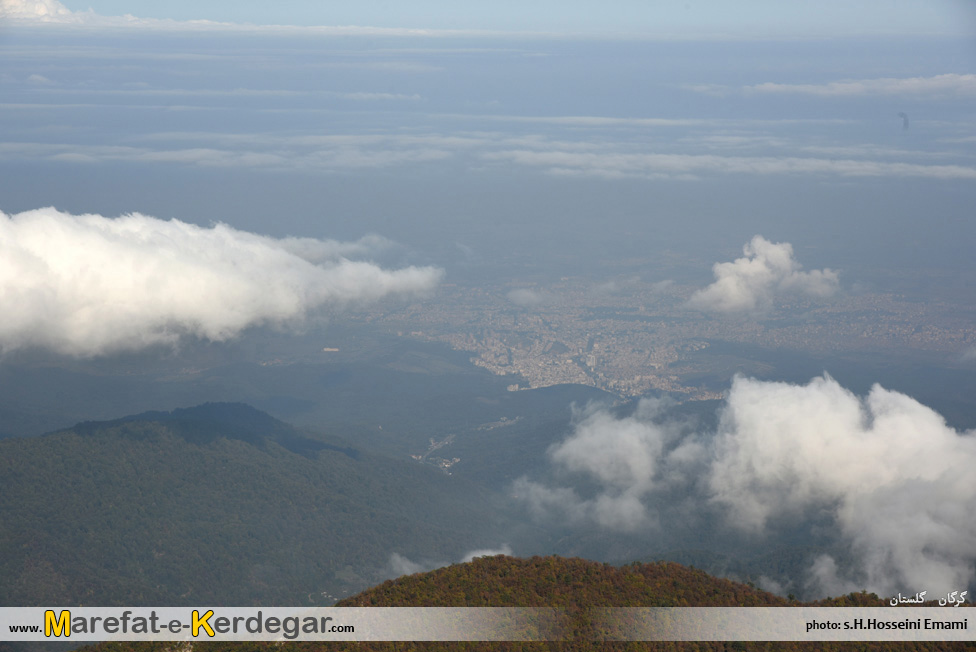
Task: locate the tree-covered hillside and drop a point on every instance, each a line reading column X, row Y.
column 574, row 584
column 217, row 504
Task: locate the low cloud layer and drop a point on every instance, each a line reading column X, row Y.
column 935, row 87
column 888, row 473
column 88, row 285
column 52, row 12
column 624, row 164
column 603, row 155
column 749, row 284
column 950, row 84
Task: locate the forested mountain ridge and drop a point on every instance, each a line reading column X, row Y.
column 220, row 503
column 562, row 582
column 573, row 584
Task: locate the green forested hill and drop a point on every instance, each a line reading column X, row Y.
column 216, row 504
column 562, row 582
column 574, row 584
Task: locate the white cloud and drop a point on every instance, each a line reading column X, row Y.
column 323, row 251
column 749, row 284
column 950, row 84
column 89, row 285
column 890, row 470
column 45, row 11
column 886, row 472
column 379, row 96
column 599, row 157
column 326, row 154
column 613, row 165
column 825, row 578
column 602, row 122
column 627, row 458
column 936, row 86
column 486, row 552
column 52, row 12
column 666, row 31
column 596, row 121
column 400, row 565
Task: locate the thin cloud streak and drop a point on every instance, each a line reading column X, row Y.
column 54, row 13
column 593, row 157
column 338, row 157
column 583, row 158
column 940, row 86
column 615, row 121
column 689, row 166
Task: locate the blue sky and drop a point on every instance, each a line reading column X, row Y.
column 504, row 150
column 679, row 17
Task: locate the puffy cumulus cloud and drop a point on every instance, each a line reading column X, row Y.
column 883, row 475
column 749, row 284
column 47, row 11
column 891, row 471
column 54, row 12
column 626, row 458
column 89, row 285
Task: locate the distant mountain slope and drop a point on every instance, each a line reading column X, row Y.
column 237, row 421
column 574, row 584
column 221, row 504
